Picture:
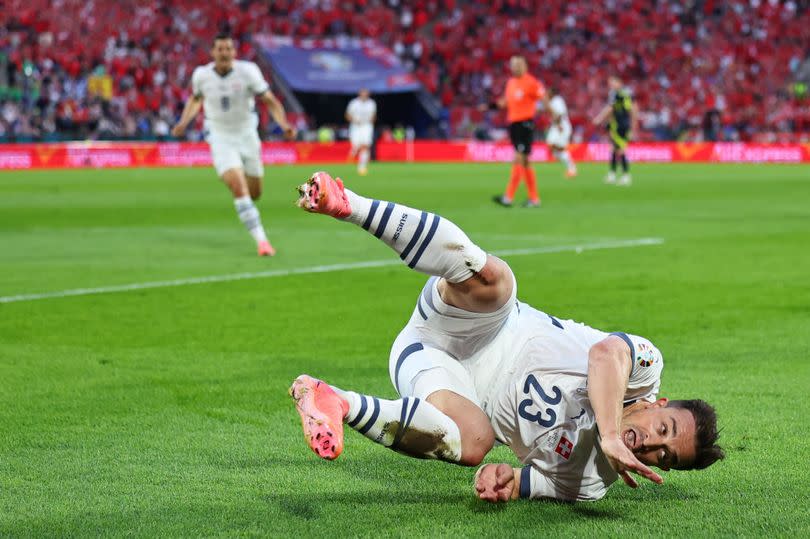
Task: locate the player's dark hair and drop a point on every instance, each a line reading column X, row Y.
column 707, row 452
column 221, row 36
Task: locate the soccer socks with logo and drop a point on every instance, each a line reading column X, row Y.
column 250, row 217
column 514, row 182
column 424, row 241
column 409, row 425
column 531, row 184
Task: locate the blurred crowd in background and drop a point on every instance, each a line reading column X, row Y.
column 697, row 70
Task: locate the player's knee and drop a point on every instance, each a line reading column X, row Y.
column 255, row 188
column 477, row 436
column 236, row 183
column 486, row 291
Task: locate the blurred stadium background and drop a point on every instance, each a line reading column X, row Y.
column 699, row 71
column 145, row 350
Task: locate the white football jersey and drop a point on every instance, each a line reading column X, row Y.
column 361, row 111
column 558, row 108
column 229, row 100
column 538, row 403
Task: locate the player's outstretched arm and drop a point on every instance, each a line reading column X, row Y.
column 190, row 111
column 609, row 365
column 278, row 113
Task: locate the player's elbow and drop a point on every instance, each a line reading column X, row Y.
column 607, row 352
column 473, row 452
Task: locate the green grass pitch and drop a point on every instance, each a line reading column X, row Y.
column 164, row 412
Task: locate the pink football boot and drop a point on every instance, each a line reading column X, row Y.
column 322, row 194
column 265, row 249
column 322, row 412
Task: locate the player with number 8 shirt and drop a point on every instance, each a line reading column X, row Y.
column 226, row 89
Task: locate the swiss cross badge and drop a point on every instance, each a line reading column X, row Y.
column 564, row 447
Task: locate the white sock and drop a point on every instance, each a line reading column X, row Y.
column 565, row 158
column 363, row 159
column 409, row 425
column 250, row 217
column 423, row 240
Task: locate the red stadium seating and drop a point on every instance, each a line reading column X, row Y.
column 681, row 63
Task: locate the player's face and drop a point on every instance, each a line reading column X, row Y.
column 364, row 94
column 659, row 435
column 614, row 83
column 223, row 52
column 518, row 66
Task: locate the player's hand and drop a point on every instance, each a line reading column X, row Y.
column 290, row 132
column 495, row 482
column 624, row 461
column 178, row 130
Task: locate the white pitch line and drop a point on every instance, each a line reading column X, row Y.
column 618, row 244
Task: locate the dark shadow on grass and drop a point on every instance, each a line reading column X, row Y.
column 300, row 508
column 652, row 493
column 310, row 506
column 594, row 512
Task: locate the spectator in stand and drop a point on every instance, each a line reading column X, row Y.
column 748, row 52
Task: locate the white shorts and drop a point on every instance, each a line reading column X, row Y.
column 236, row 150
column 444, row 347
column 559, row 135
column 361, row 135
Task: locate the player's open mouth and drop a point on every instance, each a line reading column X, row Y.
column 630, row 438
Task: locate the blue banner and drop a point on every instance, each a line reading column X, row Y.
column 337, row 66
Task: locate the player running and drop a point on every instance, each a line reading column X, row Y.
column 361, row 113
column 523, row 92
column 559, row 133
column 623, row 123
column 474, row 365
column 228, row 88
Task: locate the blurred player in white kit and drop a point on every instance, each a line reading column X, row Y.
column 559, row 134
column 227, row 89
column 361, row 113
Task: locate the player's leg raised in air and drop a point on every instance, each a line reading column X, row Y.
column 437, row 416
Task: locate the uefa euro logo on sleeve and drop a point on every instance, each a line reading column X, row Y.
column 646, row 355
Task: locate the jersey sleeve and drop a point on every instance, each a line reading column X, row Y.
column 256, row 82
column 536, row 485
column 196, row 83
column 648, row 363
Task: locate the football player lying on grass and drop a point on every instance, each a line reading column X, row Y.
column 474, row 365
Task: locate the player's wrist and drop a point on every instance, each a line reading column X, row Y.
column 610, row 435
column 516, row 485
